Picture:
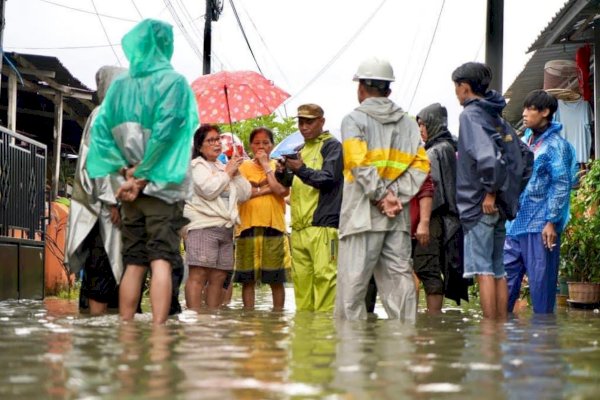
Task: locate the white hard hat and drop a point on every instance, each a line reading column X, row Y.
column 375, row 68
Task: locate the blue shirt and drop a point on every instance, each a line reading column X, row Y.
column 547, row 194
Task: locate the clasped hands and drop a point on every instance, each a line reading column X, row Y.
column 390, row 205
column 131, row 188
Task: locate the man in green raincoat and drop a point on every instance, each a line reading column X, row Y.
column 316, row 198
column 142, row 139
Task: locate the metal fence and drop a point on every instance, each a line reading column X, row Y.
column 22, row 186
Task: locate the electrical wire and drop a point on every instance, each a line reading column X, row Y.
column 265, row 44
column 237, row 17
column 187, row 36
column 137, row 9
column 106, row 33
column 196, row 30
column 340, row 51
column 428, row 52
column 87, row 12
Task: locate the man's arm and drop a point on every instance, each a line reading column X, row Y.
column 480, row 146
column 331, row 170
column 356, row 165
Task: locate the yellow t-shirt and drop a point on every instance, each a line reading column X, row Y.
column 265, row 211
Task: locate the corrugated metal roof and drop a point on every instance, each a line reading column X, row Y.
column 532, row 77
column 572, row 23
column 49, row 63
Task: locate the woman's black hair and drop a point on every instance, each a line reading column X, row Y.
column 540, row 100
column 264, row 129
column 477, row 75
column 199, row 137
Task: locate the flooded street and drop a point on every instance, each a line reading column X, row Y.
column 48, row 350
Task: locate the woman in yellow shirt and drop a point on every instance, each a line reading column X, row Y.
column 262, row 250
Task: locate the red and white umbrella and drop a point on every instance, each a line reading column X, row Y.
column 226, row 97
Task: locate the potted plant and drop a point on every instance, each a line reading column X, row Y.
column 580, row 242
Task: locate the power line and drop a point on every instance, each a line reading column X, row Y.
column 427, row 55
column 195, row 29
column 341, row 51
column 237, row 17
column 105, row 32
column 87, row 12
column 182, row 28
column 137, row 9
column 265, row 44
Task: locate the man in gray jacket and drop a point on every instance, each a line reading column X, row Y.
column 384, row 167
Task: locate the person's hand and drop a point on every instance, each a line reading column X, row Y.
column 422, row 233
column 115, row 216
column 128, row 191
column 280, row 165
column 390, row 205
column 129, row 172
column 294, row 164
column 489, row 204
column 262, row 158
column 549, row 236
column 233, row 165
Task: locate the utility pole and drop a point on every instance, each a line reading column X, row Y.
column 1, row 39
column 212, row 13
column 494, row 41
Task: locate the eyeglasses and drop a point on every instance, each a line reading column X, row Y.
column 213, row 141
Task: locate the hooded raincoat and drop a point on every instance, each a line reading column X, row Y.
column 92, row 198
column 382, row 150
column 148, row 118
column 441, row 150
column 480, row 169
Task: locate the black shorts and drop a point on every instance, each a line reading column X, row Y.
column 427, row 260
column 98, row 282
column 150, row 231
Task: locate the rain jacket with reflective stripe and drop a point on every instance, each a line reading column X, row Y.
column 382, row 149
column 316, row 194
column 148, row 117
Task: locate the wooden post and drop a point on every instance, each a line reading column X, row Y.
column 12, row 102
column 58, row 123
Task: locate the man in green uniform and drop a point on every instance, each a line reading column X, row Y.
column 316, row 198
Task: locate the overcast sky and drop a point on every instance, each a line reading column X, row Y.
column 293, row 41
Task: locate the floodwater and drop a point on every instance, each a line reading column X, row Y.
column 49, row 351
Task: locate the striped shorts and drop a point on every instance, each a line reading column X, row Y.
column 210, row 247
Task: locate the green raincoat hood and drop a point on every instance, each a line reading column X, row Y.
column 148, row 47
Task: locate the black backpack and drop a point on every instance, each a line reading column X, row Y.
column 518, row 160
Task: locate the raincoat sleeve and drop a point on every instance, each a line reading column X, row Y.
column 104, row 156
column 331, row 170
column 207, row 184
column 480, row 147
column 356, row 165
column 561, row 171
column 407, row 185
column 175, row 117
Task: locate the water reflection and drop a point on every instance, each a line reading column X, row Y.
column 48, row 350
